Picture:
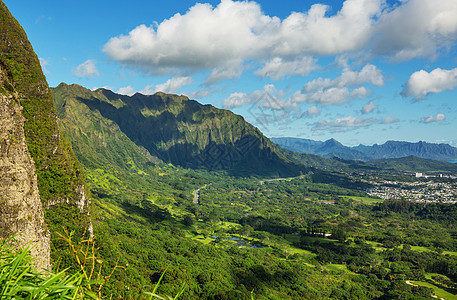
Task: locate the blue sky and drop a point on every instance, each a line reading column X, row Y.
column 359, row 71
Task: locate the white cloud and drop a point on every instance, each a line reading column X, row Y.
column 326, row 91
column 228, row 71
column 417, row 28
column 206, row 37
column 236, row 100
column 369, row 74
column 311, row 111
column 330, row 96
column 213, row 38
column 44, row 63
column 433, row 119
column 199, row 94
column 171, row 86
column 343, row 124
column 319, row 91
column 389, row 120
column 316, row 33
column 268, row 98
column 369, row 107
column 350, row 123
column 422, row 83
column 174, row 84
column 278, row 68
column 86, row 69
column 128, row 90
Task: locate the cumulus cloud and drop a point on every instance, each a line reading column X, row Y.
column 128, row 90
column 86, row 69
column 278, row 68
column 416, row 28
column 311, row 111
column 322, row 91
column 433, row 119
column 422, row 83
column 171, row 86
column 227, row 71
column 206, row 37
column 349, row 78
column 369, row 107
column 269, row 97
column 326, row 91
column 236, row 100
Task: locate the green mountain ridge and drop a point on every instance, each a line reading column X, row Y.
column 184, row 132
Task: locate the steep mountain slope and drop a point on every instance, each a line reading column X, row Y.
column 21, row 210
column 183, row 132
column 390, row 149
column 27, row 98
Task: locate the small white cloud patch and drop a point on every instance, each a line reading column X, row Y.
column 350, row 123
column 433, row 119
column 86, row 69
column 369, row 107
column 278, row 68
column 128, row 90
column 171, row 86
column 44, row 63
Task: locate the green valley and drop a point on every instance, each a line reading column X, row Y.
column 313, row 236
column 110, row 196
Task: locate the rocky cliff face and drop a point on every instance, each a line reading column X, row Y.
column 31, row 143
column 21, row 212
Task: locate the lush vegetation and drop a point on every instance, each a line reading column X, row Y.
column 20, row 280
column 314, row 236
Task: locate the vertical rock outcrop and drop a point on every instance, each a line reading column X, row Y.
column 36, row 161
column 21, row 212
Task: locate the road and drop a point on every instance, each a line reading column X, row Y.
column 280, row 179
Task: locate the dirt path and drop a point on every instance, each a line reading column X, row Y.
column 196, row 195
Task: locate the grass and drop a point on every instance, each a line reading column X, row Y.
column 376, row 245
column 436, row 290
column 426, row 249
column 364, row 200
column 20, row 280
column 335, row 267
column 293, row 250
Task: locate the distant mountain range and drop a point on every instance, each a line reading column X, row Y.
column 390, row 149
